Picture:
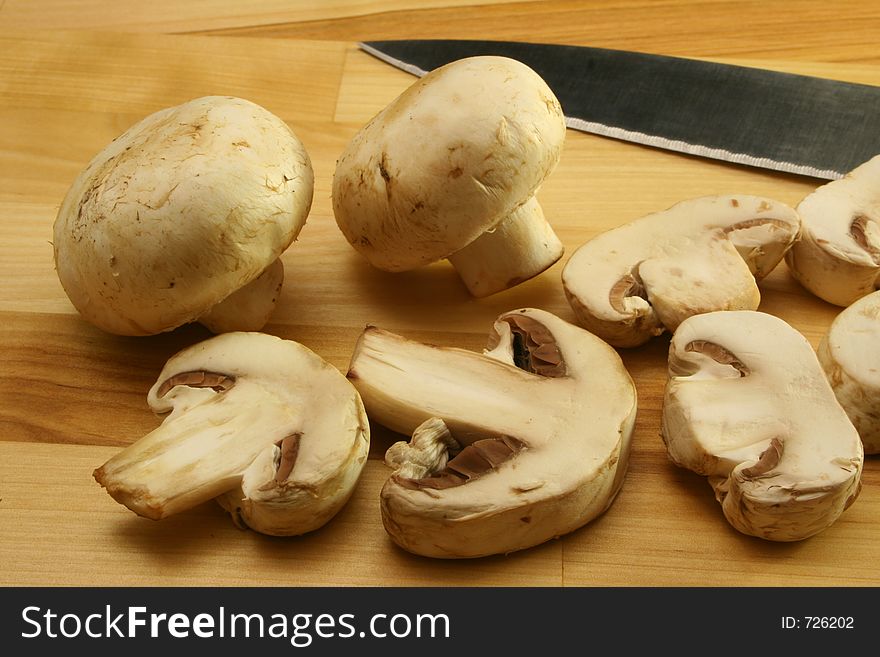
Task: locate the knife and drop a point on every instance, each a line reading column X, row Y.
column 799, row 124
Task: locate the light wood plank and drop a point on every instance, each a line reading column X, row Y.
column 71, row 395
column 168, row 16
column 137, row 74
column 808, row 30
column 62, row 378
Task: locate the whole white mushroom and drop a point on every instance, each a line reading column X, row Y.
column 188, row 209
column 449, row 169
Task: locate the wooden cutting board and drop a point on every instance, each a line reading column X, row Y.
column 71, row 396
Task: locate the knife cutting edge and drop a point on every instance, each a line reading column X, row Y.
column 798, row 124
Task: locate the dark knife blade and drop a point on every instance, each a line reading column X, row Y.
column 799, row 124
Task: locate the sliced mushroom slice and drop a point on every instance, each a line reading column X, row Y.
column 264, row 425
column 837, row 256
column 636, row 281
column 748, row 406
column 850, row 355
column 510, row 448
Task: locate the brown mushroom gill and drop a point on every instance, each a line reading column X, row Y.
column 719, row 354
column 288, row 450
column 860, row 230
column 629, row 285
column 768, row 460
column 217, row 381
column 475, row 460
column 534, row 350
column 754, row 223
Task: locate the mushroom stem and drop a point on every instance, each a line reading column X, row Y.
column 191, row 457
column 425, row 454
column 520, row 247
column 249, row 308
column 406, row 383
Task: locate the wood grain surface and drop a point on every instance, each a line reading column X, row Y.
column 71, row 395
column 808, row 30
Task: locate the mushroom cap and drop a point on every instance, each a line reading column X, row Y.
column 265, row 423
column 640, row 279
column 850, row 355
column 544, row 420
column 747, row 405
column 183, row 209
column 837, row 256
column 447, row 160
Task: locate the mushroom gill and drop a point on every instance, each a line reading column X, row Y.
column 534, row 347
column 217, row 381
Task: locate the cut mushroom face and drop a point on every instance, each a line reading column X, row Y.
column 523, row 443
column 264, row 425
column 450, row 170
column 636, row 281
column 850, row 355
column 191, row 205
column 837, row 256
column 748, row 406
